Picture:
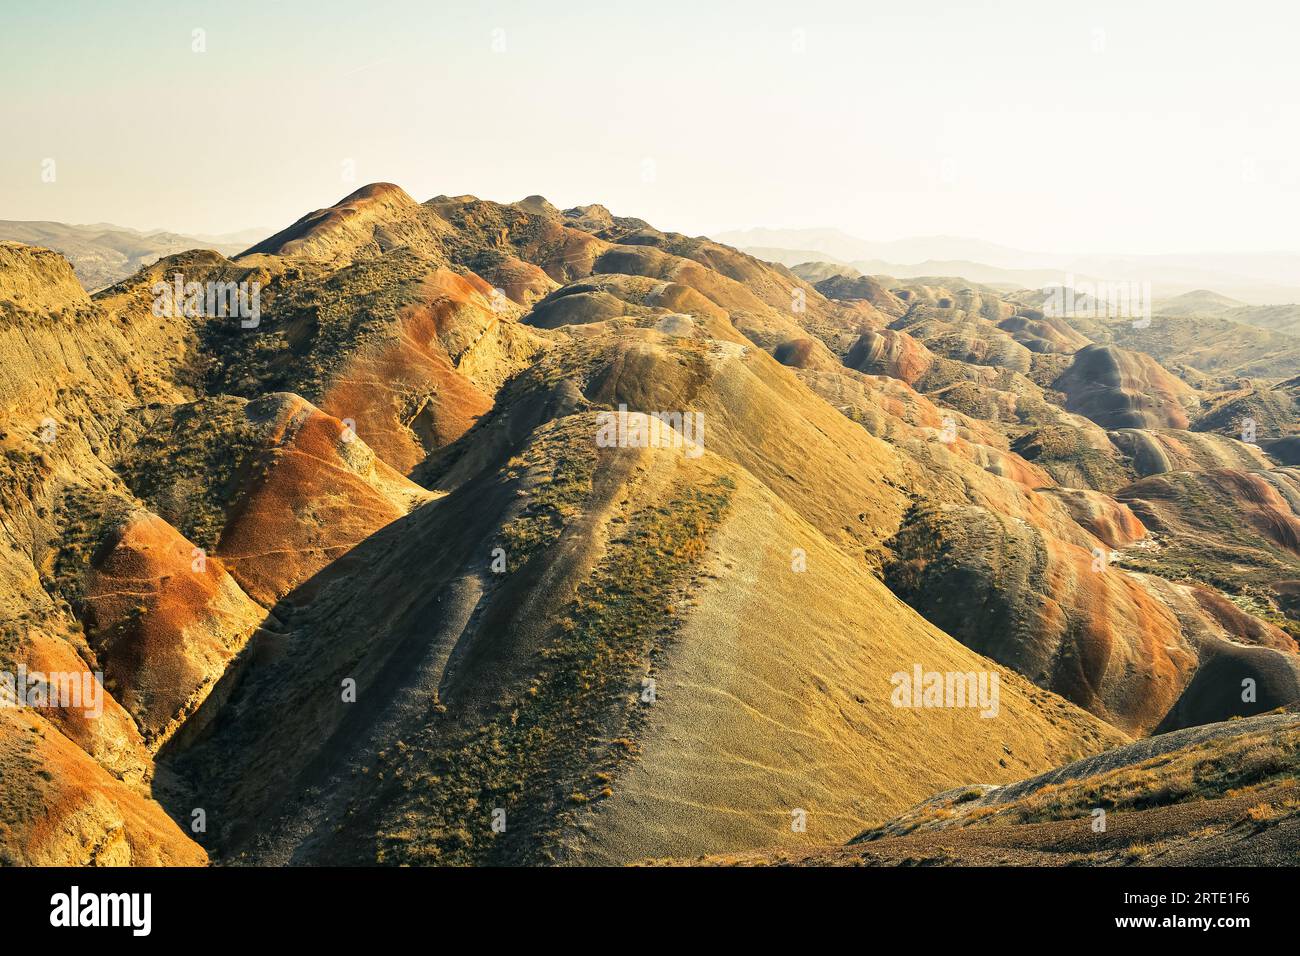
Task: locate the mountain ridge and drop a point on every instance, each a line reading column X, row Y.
column 417, row 553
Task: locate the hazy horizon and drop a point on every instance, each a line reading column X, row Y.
column 261, row 232
column 1112, row 130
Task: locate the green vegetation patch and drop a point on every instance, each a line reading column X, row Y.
column 1217, row 548
column 559, row 469
column 309, row 324
column 1065, row 453
column 22, row 805
column 83, row 515
column 187, row 463
column 557, row 745
column 1207, row 771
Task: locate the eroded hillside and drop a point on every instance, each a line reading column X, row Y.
column 366, row 581
column 1218, row 795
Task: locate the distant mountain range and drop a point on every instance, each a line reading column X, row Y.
column 102, row 253
column 1253, row 278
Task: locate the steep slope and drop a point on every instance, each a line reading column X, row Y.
column 891, row 353
column 275, row 488
column 706, row 772
column 99, row 414
column 78, row 777
column 1026, row 572
column 163, row 619
column 467, row 718
column 529, row 696
column 370, row 221
column 58, row 807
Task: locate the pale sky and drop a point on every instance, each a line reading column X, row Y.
column 1124, row 127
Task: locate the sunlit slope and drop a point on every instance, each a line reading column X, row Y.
column 774, row 697
column 1218, row 795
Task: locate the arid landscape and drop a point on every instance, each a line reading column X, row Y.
column 405, row 559
column 600, row 461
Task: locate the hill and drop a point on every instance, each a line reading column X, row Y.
column 510, row 534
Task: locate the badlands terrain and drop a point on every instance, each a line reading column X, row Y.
column 365, row 587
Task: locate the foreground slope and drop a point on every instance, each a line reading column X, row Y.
column 1218, row 795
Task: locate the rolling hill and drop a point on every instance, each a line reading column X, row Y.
column 509, row 534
